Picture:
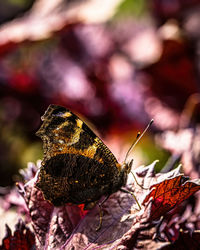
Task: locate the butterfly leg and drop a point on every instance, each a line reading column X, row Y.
column 101, row 212
column 129, row 192
column 137, row 182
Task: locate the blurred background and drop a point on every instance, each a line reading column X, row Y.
column 116, row 63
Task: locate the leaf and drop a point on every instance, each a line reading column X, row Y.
column 185, row 241
column 11, row 197
column 183, row 143
column 52, row 226
column 22, row 238
column 68, row 227
column 170, row 193
column 51, row 17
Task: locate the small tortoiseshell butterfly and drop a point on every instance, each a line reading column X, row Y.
column 77, row 168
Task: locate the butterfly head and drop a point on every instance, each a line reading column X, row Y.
column 127, row 166
column 125, row 170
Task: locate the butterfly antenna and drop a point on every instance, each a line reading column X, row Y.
column 137, row 139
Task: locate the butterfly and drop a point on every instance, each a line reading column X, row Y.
column 77, row 167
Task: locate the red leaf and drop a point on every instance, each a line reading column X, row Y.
column 170, row 193
column 22, row 238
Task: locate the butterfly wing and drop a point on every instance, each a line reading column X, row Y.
column 63, row 132
column 77, row 166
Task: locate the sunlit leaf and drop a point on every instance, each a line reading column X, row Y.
column 170, row 193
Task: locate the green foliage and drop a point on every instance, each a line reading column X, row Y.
column 19, row 3
column 130, row 8
column 152, row 152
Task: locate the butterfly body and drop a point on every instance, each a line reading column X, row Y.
column 77, row 168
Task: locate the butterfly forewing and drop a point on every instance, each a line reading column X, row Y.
column 63, row 132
